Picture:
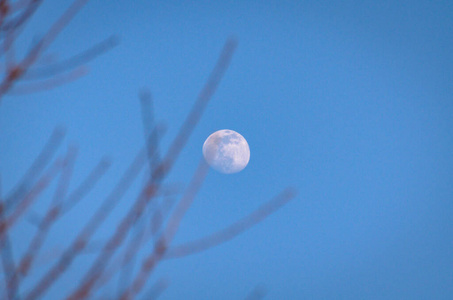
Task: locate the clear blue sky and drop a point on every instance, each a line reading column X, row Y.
column 350, row 102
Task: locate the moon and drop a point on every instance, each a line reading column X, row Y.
column 226, row 151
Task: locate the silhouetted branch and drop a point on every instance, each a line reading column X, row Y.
column 95, row 272
column 7, row 258
column 234, row 229
column 160, row 214
column 146, row 106
column 28, row 11
column 77, row 60
column 90, row 228
column 41, row 161
column 139, row 227
column 149, row 221
column 129, row 257
column 199, row 106
column 56, row 81
column 31, row 196
column 91, row 277
column 86, row 186
column 124, row 262
column 17, row 71
column 50, row 217
column 55, row 212
column 170, row 230
column 65, row 177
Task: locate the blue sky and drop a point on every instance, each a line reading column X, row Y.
column 349, row 102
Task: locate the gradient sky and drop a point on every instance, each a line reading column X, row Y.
column 349, row 102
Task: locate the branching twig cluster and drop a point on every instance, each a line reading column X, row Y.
column 156, row 213
column 21, row 75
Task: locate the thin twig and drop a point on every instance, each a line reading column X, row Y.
column 29, row 10
column 72, row 62
column 7, row 258
column 90, row 228
column 199, row 106
column 41, row 161
column 86, row 186
column 51, row 216
column 234, row 229
column 18, row 71
column 31, row 196
column 169, row 232
column 147, row 109
column 54, row 82
column 130, row 253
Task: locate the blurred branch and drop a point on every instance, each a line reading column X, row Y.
column 148, row 221
column 95, row 272
column 15, row 72
column 39, row 237
column 234, row 229
column 41, row 161
column 72, row 62
column 199, row 106
column 28, row 10
column 90, row 228
column 147, row 109
column 7, row 258
column 169, row 232
column 29, row 198
column 56, row 81
column 124, row 261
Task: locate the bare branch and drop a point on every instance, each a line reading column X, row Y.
column 72, row 62
column 146, row 105
column 95, row 272
column 170, row 230
column 90, row 228
column 86, row 186
column 51, row 215
column 41, row 161
column 199, row 106
column 18, row 71
column 234, row 229
column 54, row 82
column 29, row 10
column 7, row 258
column 31, row 196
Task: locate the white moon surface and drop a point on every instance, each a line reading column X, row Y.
column 226, row 151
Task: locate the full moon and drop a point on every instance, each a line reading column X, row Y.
column 226, row 151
